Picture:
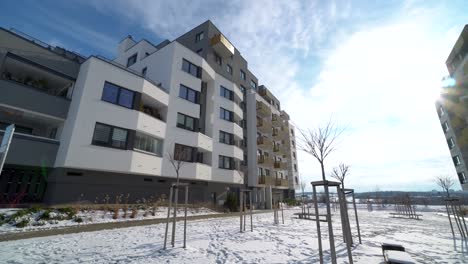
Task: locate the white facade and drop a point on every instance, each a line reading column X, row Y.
column 164, row 68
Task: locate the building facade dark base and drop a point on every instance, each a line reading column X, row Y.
column 71, row 186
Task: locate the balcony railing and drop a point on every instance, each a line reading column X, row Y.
column 152, row 111
column 265, row 160
column 264, row 141
column 222, row 45
column 282, row 182
column 280, row 165
column 263, row 109
column 267, row 180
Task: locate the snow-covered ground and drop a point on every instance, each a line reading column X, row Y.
column 219, row 241
column 92, row 216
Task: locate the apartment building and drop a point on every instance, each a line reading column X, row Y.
column 452, row 107
column 193, row 98
column 36, row 86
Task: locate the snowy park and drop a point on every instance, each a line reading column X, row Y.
column 219, row 240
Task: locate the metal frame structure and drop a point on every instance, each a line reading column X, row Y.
column 326, row 184
column 453, row 206
column 277, row 205
column 243, row 209
column 175, row 190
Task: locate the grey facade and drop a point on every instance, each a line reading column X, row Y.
column 452, row 107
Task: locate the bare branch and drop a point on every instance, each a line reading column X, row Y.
column 340, row 173
column 319, row 143
column 177, row 159
column 445, row 182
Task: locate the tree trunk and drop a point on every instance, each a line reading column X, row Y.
column 448, row 193
column 323, row 170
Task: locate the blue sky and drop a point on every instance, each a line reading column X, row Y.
column 375, row 66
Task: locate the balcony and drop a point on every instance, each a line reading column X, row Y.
column 266, row 180
column 277, row 148
column 29, row 150
column 264, row 142
column 265, row 160
column 281, row 182
column 276, row 121
column 263, row 109
column 280, row 133
column 263, row 126
column 281, row 165
column 222, row 46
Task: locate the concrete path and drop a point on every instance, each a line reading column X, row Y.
column 104, row 226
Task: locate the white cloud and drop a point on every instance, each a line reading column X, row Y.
column 379, row 78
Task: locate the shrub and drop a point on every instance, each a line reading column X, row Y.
column 291, row 201
column 231, row 202
column 134, row 212
column 78, row 219
column 23, row 223
column 70, row 212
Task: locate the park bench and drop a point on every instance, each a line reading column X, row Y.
column 308, row 216
column 412, row 216
column 396, row 254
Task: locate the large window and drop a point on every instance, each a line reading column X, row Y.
column 218, row 59
column 226, row 162
column 117, row 95
column 242, row 75
column 450, row 143
column 253, row 85
column 226, row 138
column 226, row 115
column 462, row 177
column 445, row 126
column 148, row 144
column 188, row 94
column 226, row 93
column 132, row 60
column 110, row 136
column 199, row 36
column 186, row 122
column 191, row 68
column 184, row 153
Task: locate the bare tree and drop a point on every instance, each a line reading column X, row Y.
column 445, row 182
column 320, row 142
column 340, row 173
column 177, row 159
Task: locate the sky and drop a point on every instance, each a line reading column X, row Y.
column 374, row 67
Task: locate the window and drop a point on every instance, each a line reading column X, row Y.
column 226, row 162
column 188, row 94
column 229, row 69
column 191, row 68
column 117, row 95
column 292, row 143
column 18, row 129
column 462, row 177
column 253, row 85
column 267, row 172
column 242, row 75
column 148, row 144
column 184, row 153
column 242, row 88
column 143, row 72
column 132, row 60
column 294, row 154
column 450, row 143
column 260, row 171
column 199, row 36
column 226, row 115
column 295, row 167
column 441, row 111
column 218, row 59
column 109, row 136
column 226, row 138
column 186, row 122
column 199, row 52
column 226, row 93
column 456, row 160
column 445, row 126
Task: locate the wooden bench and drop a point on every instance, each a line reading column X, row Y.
column 396, row 254
column 308, row 216
column 411, row 216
